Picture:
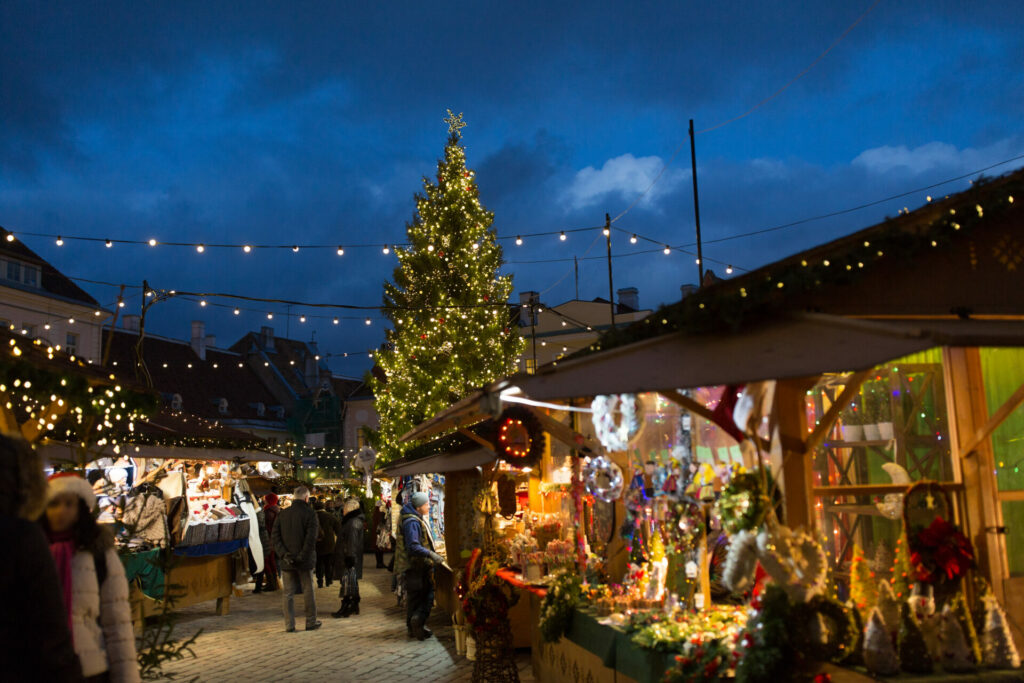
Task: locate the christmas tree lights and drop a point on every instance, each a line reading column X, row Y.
column 446, row 340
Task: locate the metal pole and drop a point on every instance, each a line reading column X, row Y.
column 611, row 289
column 533, row 332
column 576, row 266
column 696, row 207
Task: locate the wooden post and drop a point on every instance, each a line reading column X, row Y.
column 797, row 466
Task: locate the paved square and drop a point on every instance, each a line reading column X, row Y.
column 250, row 643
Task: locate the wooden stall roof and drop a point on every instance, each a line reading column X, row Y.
column 439, row 463
column 60, row 451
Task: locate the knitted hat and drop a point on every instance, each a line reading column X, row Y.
column 418, row 499
column 69, row 482
column 351, row 505
column 270, row 499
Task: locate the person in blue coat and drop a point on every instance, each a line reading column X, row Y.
column 415, row 559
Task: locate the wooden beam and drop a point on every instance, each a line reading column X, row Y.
column 470, row 435
column 844, row 399
column 790, row 416
column 694, row 407
column 875, row 489
column 993, row 422
column 565, row 434
column 8, row 421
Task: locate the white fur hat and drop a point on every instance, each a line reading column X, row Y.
column 69, row 482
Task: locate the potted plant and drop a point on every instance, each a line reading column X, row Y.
column 852, row 422
column 877, row 412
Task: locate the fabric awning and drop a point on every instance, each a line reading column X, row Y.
column 440, row 463
column 800, row 346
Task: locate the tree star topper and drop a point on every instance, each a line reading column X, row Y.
column 455, row 123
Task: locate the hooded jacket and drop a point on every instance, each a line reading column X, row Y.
column 350, row 543
column 415, row 548
column 294, row 536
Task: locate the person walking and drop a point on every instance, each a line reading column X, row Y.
column 270, row 570
column 330, row 527
column 95, row 589
column 348, row 559
column 35, row 643
column 415, row 559
column 382, row 531
column 294, row 539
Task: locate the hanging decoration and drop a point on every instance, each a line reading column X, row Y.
column 615, row 433
column 364, row 462
column 744, row 502
column 520, row 437
column 603, row 479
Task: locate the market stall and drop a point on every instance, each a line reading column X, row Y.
column 758, row 533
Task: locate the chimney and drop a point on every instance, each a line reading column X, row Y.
column 629, row 297
column 687, row 290
column 131, row 323
column 199, row 338
column 311, row 376
column 267, row 338
column 526, row 316
column 211, row 341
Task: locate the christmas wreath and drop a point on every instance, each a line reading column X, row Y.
column 604, row 479
column 520, row 437
column 840, row 633
column 744, row 502
column 614, row 434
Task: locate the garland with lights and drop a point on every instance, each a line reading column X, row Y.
column 514, row 421
column 451, row 328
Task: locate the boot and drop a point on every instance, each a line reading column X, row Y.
column 355, row 608
column 344, row 610
column 417, row 630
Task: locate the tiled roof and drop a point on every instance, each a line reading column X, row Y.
column 289, row 358
column 53, row 282
column 203, row 385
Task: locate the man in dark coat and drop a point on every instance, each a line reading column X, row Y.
column 330, row 527
column 348, row 557
column 415, row 559
column 294, row 538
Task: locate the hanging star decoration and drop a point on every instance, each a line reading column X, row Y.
column 455, row 123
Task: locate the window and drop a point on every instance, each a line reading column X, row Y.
column 30, row 276
column 222, row 406
column 14, row 271
column 531, row 366
column 71, row 344
column 176, row 402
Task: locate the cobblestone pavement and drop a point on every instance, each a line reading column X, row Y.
column 250, row 643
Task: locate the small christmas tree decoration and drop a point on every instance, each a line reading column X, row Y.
column 902, row 577
column 914, row 657
column 998, row 649
column 922, row 607
column 959, row 608
column 879, row 654
column 863, row 586
column 956, row 654
column 889, row 607
column 882, row 563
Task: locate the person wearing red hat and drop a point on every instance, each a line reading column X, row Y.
column 95, row 588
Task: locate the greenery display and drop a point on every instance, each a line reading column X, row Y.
column 556, row 610
column 745, row 502
column 902, row 576
column 863, row 585
column 913, row 651
column 765, row 652
column 450, row 326
column 876, row 402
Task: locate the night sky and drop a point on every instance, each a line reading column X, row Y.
column 274, row 122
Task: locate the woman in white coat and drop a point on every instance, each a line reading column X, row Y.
column 95, row 589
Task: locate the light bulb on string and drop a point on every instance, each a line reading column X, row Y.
column 562, row 236
column 606, row 232
column 109, row 244
column 341, row 252
column 270, row 316
column 667, row 250
column 335, row 321
column 519, row 241
column 430, row 247
column 152, row 242
column 697, row 261
column 60, row 241
column 633, row 239
column 295, row 248
column 302, row 318
column 10, row 237
column 386, row 250
column 246, row 248
column 238, row 312
column 728, row 270
column 202, row 302
column 368, row 321
column 200, row 248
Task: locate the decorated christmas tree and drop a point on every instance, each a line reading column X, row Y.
column 914, row 657
column 959, row 609
column 902, row 577
column 888, row 607
column 863, row 585
column 956, row 654
column 451, row 329
column 879, row 654
column 998, row 648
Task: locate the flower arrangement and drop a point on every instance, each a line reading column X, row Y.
column 556, row 610
column 679, row 633
column 940, row 553
column 560, row 555
column 521, row 546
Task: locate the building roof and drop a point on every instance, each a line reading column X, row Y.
column 963, row 249
column 53, row 283
column 288, row 357
column 345, row 387
column 200, row 386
